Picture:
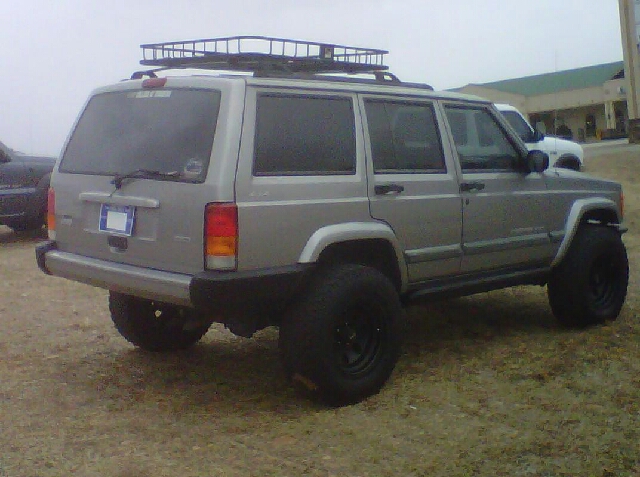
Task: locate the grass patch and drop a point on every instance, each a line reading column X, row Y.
column 486, row 385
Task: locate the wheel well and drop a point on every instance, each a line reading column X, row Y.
column 569, row 162
column 600, row 216
column 376, row 253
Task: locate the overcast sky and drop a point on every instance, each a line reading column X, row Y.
column 54, row 52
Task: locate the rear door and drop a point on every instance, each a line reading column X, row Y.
column 413, row 185
column 504, row 208
column 301, row 171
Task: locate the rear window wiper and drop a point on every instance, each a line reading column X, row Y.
column 118, row 179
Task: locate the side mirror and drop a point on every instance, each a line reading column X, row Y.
column 4, row 156
column 537, row 161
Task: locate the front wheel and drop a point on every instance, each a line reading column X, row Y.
column 569, row 162
column 28, row 225
column 341, row 341
column 155, row 326
column 590, row 285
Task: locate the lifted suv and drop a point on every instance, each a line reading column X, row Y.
column 318, row 204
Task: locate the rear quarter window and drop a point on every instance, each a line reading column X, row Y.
column 304, row 135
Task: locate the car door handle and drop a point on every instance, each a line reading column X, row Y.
column 384, row 189
column 471, row 186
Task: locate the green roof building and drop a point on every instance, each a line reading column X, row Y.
column 590, row 101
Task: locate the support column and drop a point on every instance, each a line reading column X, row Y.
column 629, row 23
column 610, row 114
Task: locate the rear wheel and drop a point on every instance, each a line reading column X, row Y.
column 155, row 326
column 341, row 341
column 590, row 285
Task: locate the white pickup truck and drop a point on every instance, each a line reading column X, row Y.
column 562, row 153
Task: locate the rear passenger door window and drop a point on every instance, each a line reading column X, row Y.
column 304, row 135
column 481, row 142
column 404, row 137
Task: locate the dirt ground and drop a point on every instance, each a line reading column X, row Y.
column 486, row 385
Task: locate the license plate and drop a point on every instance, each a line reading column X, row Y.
column 117, row 219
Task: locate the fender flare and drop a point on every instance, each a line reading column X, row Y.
column 353, row 231
column 578, row 210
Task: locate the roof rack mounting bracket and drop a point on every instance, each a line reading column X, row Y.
column 142, row 74
column 386, row 76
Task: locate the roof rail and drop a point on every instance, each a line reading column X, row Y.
column 261, row 54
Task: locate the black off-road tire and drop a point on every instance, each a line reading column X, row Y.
column 27, row 225
column 155, row 326
column 341, row 340
column 589, row 286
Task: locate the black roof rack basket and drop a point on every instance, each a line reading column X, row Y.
column 261, row 54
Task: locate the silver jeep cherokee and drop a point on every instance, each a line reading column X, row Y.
column 317, row 203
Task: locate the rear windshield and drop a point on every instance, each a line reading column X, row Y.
column 169, row 131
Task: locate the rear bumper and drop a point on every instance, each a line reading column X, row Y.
column 143, row 282
column 248, row 293
column 237, row 293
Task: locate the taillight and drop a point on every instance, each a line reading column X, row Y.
column 51, row 213
column 221, row 236
column 621, row 205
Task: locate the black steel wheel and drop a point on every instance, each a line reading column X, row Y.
column 590, row 285
column 341, row 340
column 604, row 281
column 359, row 339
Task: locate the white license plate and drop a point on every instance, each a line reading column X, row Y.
column 117, row 219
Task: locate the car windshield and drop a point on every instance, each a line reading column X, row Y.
column 519, row 124
column 167, row 131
